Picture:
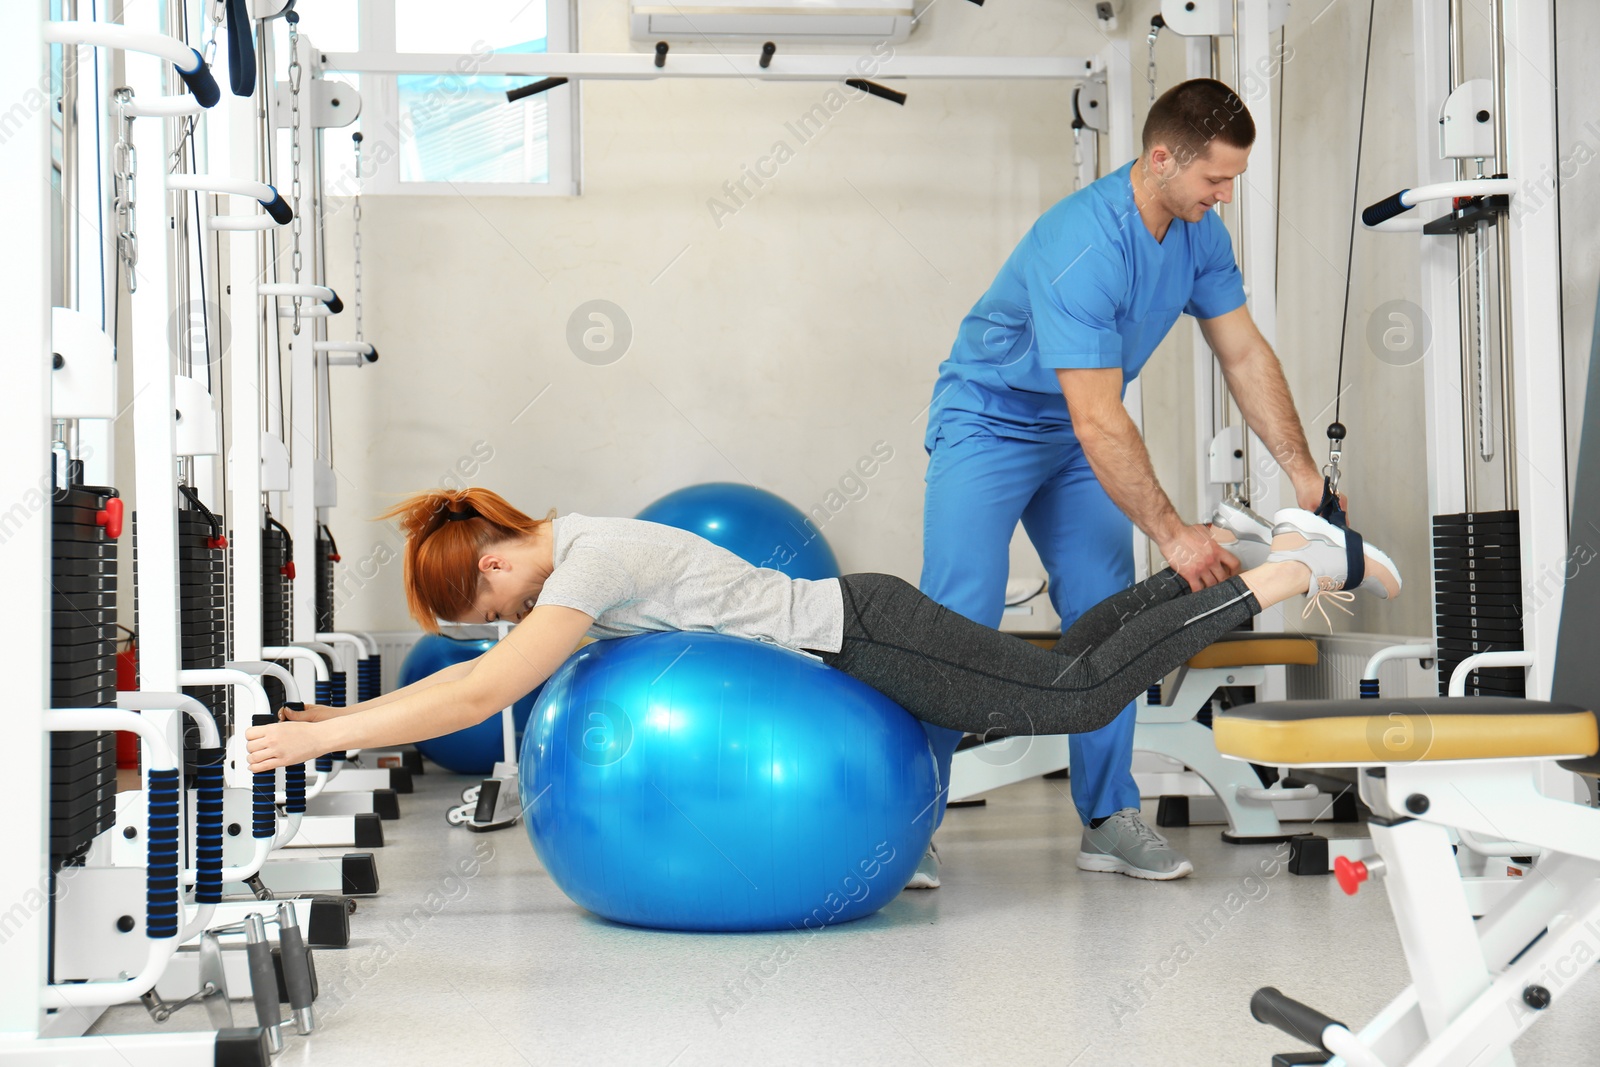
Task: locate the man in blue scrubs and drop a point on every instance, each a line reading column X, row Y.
column 1027, row 421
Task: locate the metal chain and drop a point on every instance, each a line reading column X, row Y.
column 1150, row 67
column 208, row 53
column 124, row 169
column 1077, row 158
column 209, row 50
column 294, row 159
column 356, row 214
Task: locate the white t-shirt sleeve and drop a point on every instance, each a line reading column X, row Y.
column 589, row 581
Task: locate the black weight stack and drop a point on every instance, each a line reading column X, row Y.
column 202, row 612
column 83, row 664
column 327, row 556
column 277, row 570
column 1477, row 568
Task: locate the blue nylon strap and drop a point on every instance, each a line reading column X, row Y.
column 1355, row 555
column 241, row 49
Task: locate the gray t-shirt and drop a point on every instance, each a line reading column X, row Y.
column 638, row 577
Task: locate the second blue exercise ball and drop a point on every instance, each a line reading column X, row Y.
column 691, row 781
column 757, row 526
column 475, row 749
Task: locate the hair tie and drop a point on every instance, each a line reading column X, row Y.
column 469, row 512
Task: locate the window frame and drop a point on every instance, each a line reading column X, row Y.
column 380, row 108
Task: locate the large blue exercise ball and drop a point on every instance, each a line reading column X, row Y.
column 691, row 781
column 476, row 749
column 757, row 526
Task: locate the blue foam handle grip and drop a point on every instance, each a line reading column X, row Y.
column 324, row 692
column 263, row 794
column 279, row 208
column 161, row 856
column 1385, row 209
column 334, row 304
column 1369, row 689
column 200, row 82
column 337, row 689
column 367, row 678
column 294, row 789
column 208, row 827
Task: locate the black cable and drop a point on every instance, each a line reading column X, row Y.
column 100, row 197
column 1561, row 304
column 200, row 257
column 1277, row 169
column 267, row 309
column 200, row 241
column 1355, row 206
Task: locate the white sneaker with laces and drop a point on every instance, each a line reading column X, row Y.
column 1242, row 532
column 1319, row 545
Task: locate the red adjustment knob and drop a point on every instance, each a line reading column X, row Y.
column 288, row 570
column 335, row 557
column 111, row 518
column 1350, row 873
column 218, row 541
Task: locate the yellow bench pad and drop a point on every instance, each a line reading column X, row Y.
column 1248, row 649
column 1405, row 730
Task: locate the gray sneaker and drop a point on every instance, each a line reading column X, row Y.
column 926, row 876
column 1242, row 532
column 1123, row 844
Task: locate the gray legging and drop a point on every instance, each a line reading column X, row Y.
column 948, row 670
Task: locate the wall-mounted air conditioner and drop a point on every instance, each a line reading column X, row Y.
column 795, row 21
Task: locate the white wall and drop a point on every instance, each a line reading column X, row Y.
column 782, row 345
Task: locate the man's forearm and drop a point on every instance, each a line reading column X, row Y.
column 1262, row 393
column 1121, row 462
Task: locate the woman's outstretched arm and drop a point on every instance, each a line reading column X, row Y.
column 510, row 670
column 320, row 712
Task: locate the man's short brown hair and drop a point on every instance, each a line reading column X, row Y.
column 1191, row 115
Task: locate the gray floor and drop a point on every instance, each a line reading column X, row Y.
column 1019, row 958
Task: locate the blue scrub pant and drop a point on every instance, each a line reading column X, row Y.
column 979, row 487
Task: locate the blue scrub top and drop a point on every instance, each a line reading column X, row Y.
column 1087, row 287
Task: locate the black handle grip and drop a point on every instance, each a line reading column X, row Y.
column 1384, row 209
column 279, row 208
column 334, row 304
column 200, row 82
column 1292, row 1017
column 263, row 983
column 767, row 51
column 296, row 960
column 661, row 53
column 535, row 88
column 894, row 96
column 372, row 357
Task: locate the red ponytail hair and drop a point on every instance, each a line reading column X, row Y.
column 447, row 532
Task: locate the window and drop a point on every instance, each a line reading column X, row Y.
column 433, row 133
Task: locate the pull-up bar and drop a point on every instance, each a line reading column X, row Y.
column 630, row 66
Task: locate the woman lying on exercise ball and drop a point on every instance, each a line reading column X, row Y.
column 473, row 558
